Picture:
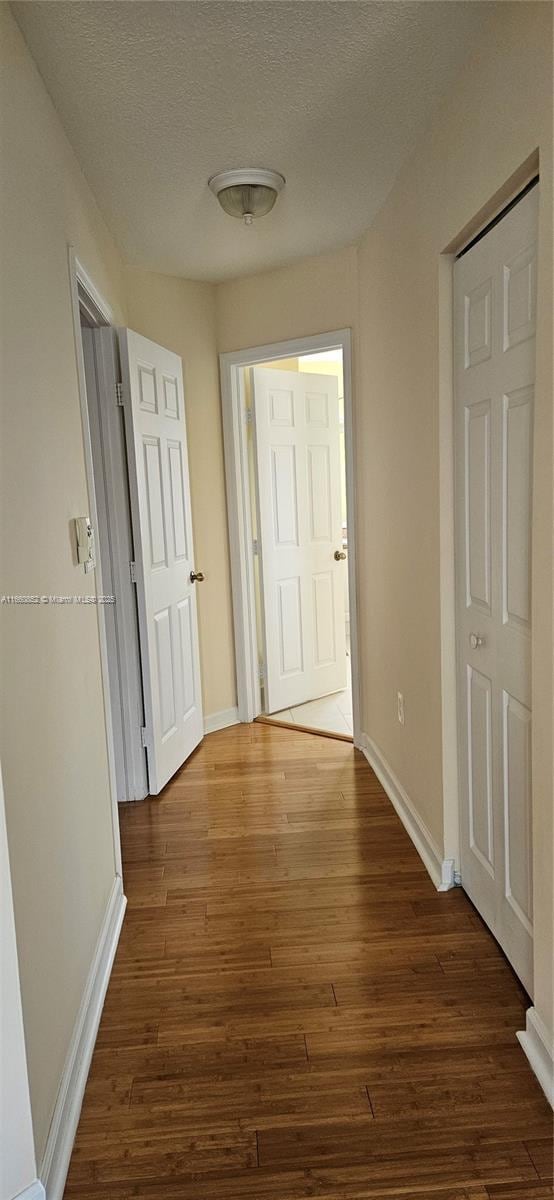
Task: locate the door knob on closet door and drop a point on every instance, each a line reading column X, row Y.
column 475, row 640
column 196, row 577
column 339, row 554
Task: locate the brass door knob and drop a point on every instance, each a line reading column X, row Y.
column 196, row 577
column 339, row 554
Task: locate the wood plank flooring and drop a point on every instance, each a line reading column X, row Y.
column 294, row 1010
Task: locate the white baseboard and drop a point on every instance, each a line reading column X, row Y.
column 221, row 720
column 441, row 870
column 539, row 1049
column 35, row 1191
column 63, row 1127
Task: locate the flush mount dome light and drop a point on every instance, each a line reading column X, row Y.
column 247, row 193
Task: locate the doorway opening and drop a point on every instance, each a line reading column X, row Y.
column 287, row 413
column 108, row 489
column 133, row 415
column 296, row 451
column 114, row 551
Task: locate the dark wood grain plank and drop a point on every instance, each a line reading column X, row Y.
column 294, row 1011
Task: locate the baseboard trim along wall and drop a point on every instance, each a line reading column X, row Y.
column 538, row 1047
column 441, row 870
column 55, row 1162
column 221, row 720
column 35, row 1191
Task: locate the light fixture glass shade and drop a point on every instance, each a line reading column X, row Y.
column 247, row 199
column 247, row 193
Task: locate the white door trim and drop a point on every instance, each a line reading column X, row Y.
column 79, row 276
column 239, row 509
column 448, row 623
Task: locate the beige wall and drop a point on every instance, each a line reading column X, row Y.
column 312, row 296
column 497, row 113
column 181, row 316
column 495, row 116
column 17, row 1151
column 53, row 736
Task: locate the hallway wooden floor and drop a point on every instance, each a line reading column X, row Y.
column 294, row 1010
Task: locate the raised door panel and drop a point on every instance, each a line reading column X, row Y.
column 477, row 504
column 281, row 407
column 148, row 392
column 178, row 500
column 165, row 676
column 284, row 495
column 478, row 324
column 325, row 650
column 185, row 617
column 289, row 631
column 320, row 516
column 479, row 762
column 317, row 410
column 172, row 407
column 155, row 502
column 517, row 466
column 517, row 808
column 520, row 291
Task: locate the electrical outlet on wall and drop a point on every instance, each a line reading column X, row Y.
column 400, row 707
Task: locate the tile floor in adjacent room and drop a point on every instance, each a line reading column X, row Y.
column 332, row 713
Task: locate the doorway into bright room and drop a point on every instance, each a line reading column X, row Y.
column 287, row 410
column 296, row 454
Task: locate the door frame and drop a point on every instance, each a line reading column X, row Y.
column 115, row 537
column 80, row 280
column 239, row 509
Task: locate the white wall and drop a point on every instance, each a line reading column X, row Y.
column 53, row 744
column 17, row 1152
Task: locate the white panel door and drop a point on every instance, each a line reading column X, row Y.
column 494, row 319
column 297, row 434
column 162, row 531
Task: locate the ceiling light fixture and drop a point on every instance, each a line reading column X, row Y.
column 247, row 193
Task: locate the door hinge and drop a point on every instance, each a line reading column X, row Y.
column 255, row 546
column 248, row 415
column 119, row 394
column 133, row 571
column 261, row 672
column 143, row 736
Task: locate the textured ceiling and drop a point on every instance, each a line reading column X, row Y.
column 156, row 97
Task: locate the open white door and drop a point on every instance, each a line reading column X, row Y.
column 297, row 439
column 494, row 305
column 162, row 530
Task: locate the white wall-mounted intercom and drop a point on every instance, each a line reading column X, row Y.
column 85, row 542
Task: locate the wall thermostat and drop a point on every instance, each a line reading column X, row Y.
column 84, row 535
